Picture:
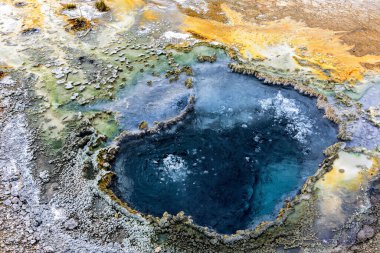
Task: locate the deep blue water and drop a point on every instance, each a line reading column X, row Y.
column 245, row 148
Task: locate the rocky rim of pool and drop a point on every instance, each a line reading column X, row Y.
column 229, row 158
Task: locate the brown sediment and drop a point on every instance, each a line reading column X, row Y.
column 188, row 70
column 272, row 79
column 189, row 83
column 207, row 58
column 343, row 134
column 189, row 48
column 69, row 6
column 198, row 36
column 329, row 111
column 333, row 149
column 143, row 125
column 343, row 99
column 370, row 66
column 4, row 70
column 2, row 74
column 174, row 74
column 101, row 6
column 103, row 186
column 364, row 40
column 79, row 24
column 104, row 157
column 373, row 114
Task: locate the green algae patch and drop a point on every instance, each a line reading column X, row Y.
column 106, row 124
column 54, row 145
column 48, row 87
column 189, row 57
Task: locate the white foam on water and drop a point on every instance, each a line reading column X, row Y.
column 174, row 168
column 299, row 126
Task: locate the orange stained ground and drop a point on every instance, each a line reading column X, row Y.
column 149, row 16
column 320, row 49
column 32, row 16
column 122, row 7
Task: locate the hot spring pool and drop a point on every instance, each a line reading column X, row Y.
column 231, row 163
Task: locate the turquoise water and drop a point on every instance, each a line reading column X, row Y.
column 233, row 161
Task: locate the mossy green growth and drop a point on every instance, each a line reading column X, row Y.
column 101, row 6
column 106, row 124
column 56, row 94
column 54, row 144
column 69, row 6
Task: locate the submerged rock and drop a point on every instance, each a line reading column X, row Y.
column 207, row 58
column 189, row 83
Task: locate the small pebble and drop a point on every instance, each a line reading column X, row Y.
column 68, row 86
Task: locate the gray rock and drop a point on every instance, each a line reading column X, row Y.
column 14, row 200
column 44, row 175
column 7, row 202
column 59, row 76
column 70, row 224
column 48, row 249
column 16, row 207
column 365, row 233
column 68, row 86
column 74, row 96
